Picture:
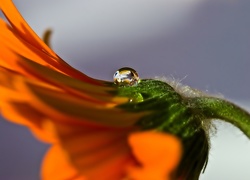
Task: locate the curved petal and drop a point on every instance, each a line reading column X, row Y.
column 21, row 39
column 22, row 28
column 62, row 106
column 93, row 152
column 38, row 122
column 95, row 93
column 57, row 166
column 158, row 160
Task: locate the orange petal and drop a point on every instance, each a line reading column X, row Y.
column 22, row 28
column 9, row 85
column 15, row 107
column 57, row 166
column 75, row 86
column 158, row 154
column 62, row 106
column 96, row 153
column 103, row 154
column 22, row 33
column 38, row 123
column 13, row 45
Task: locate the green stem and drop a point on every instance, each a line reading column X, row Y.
column 215, row 108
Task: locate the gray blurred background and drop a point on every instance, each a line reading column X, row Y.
column 204, row 43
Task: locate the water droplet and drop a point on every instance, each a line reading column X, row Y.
column 126, row 77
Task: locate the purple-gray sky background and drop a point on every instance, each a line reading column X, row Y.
column 204, row 42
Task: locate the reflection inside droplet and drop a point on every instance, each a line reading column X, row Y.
column 126, row 77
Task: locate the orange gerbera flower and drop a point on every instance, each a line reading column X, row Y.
column 91, row 136
column 127, row 129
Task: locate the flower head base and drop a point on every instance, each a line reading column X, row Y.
column 96, row 128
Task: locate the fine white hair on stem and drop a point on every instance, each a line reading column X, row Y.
column 187, row 91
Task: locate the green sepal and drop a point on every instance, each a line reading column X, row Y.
column 169, row 111
column 183, row 116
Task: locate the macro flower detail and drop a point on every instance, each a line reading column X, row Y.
column 131, row 128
